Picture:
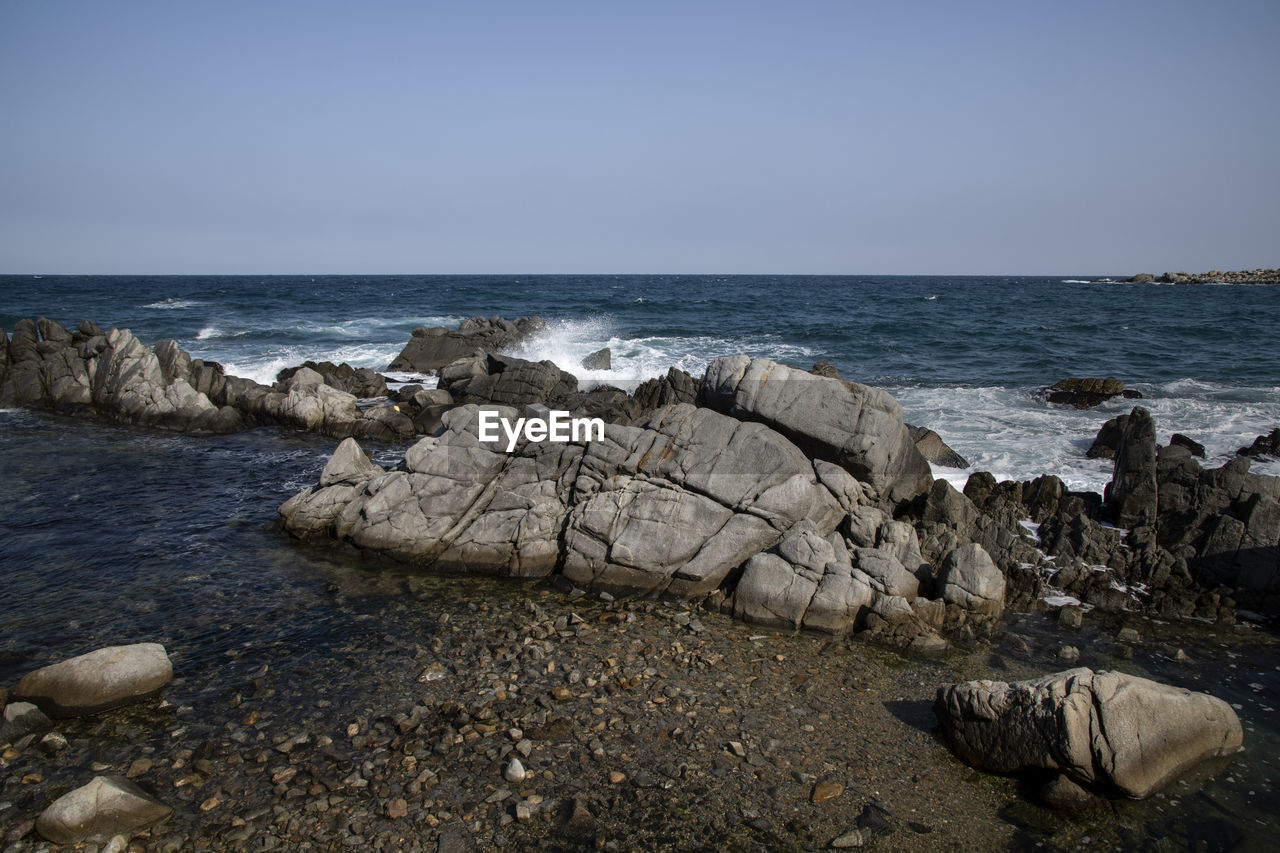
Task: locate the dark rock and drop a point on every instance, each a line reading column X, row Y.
column 21, row 719
column 1108, row 439
column 1132, row 491
column 601, row 359
column 1263, row 445
column 676, row 387
column 430, row 349
column 1084, row 393
column 934, row 449
column 1143, row 278
column 1196, row 448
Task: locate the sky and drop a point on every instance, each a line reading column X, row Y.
column 540, row 136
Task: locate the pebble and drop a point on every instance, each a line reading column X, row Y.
column 515, row 772
column 397, row 808
column 1068, row 654
column 210, row 804
column 825, row 790
column 852, row 838
column 617, row 777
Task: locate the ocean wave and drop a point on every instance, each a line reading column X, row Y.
column 211, row 333
column 171, row 304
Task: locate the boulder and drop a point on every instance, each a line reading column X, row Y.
column 934, row 449
column 1132, row 490
column 97, row 681
column 971, row 580
column 1106, row 730
column 601, row 359
column 1085, row 393
column 21, row 719
column 1108, row 439
column 1263, row 445
column 430, row 349
column 854, row 426
column 1179, row 440
column 105, row 807
column 676, row 387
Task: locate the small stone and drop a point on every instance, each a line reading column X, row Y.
column 515, row 772
column 397, row 808
column 1071, row 617
column 737, row 749
column 138, row 767
column 617, row 777
column 118, row 844
column 524, row 811
column 210, row 804
column 52, row 743
column 524, row 747
column 1129, row 635
column 852, row 838
column 353, row 729
column 435, row 672
column 825, row 790
column 1068, row 654
column 561, row 693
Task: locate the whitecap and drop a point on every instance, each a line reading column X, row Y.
column 171, row 304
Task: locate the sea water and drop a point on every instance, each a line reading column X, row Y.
column 113, row 534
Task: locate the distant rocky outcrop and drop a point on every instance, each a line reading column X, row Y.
column 1105, row 731
column 1258, row 276
column 430, row 349
column 111, row 374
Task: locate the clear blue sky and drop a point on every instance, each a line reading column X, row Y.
column 544, row 136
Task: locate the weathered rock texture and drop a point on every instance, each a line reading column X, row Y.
column 1087, row 392
column 432, row 348
column 102, row 679
column 1106, row 730
column 106, row 806
column 112, row 374
column 855, row 426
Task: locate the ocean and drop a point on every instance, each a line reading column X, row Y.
column 113, row 534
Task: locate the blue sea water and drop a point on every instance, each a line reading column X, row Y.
column 964, row 355
column 112, row 534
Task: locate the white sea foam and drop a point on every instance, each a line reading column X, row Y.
column 172, row 304
column 1015, row 435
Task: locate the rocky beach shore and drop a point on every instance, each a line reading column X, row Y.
column 748, row 617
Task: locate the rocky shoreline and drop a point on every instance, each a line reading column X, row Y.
column 758, row 493
column 1258, row 276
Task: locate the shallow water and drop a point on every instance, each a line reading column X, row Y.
column 116, row 535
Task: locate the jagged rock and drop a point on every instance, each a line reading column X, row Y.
column 360, row 382
column 1106, row 729
column 1107, row 442
column 1197, row 449
column 934, row 449
column 855, row 426
column 508, row 381
column 1087, row 392
column 430, row 349
column 1263, row 445
column 971, row 580
column 1132, row 490
column 601, row 359
column 102, row 679
column 676, row 387
column 105, row 807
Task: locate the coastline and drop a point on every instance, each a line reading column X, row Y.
column 617, row 812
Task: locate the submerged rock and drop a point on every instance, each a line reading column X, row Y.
column 1087, row 392
column 105, row 807
column 1107, row 730
column 97, row 681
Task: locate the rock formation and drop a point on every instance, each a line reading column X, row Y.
column 430, row 349
column 1105, row 730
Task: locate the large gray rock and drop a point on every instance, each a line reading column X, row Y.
column 671, row 507
column 105, row 807
column 855, row 426
column 972, row 580
column 1104, row 729
column 102, row 679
